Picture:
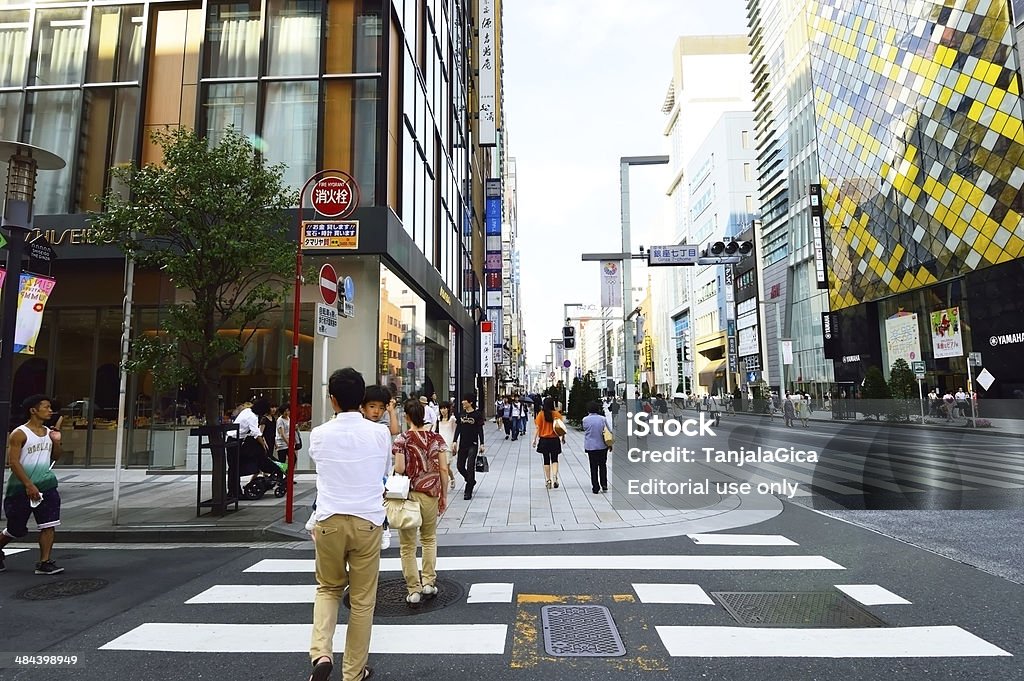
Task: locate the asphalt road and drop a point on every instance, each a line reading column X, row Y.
column 967, row 617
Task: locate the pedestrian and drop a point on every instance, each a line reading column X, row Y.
column 32, row 449
column 805, row 410
column 420, row 454
column 469, row 441
column 508, row 418
column 429, row 414
column 446, row 423
column 547, row 442
column 594, row 424
column 788, row 410
column 379, row 406
column 352, row 455
column 714, row 409
column 282, row 433
column 253, row 448
column 614, row 409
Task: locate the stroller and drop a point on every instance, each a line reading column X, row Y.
column 271, row 475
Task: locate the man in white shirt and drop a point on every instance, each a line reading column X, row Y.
column 253, row 446
column 352, row 457
column 430, row 413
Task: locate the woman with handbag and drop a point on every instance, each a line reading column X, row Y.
column 596, row 445
column 549, row 441
column 419, row 454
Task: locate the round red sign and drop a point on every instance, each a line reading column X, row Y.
column 335, row 196
column 329, row 284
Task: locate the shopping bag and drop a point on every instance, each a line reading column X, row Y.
column 609, row 439
column 403, row 514
column 396, row 487
column 559, row 427
column 482, row 466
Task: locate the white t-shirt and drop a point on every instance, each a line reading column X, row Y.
column 447, row 429
column 352, row 457
column 283, row 425
column 430, row 415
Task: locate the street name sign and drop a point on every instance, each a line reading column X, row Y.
column 682, row 254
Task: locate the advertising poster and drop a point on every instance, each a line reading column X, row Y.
column 35, row 291
column 902, row 338
column 946, row 338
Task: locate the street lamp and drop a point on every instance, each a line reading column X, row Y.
column 23, row 161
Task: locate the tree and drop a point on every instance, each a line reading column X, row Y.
column 902, row 388
column 213, row 219
column 875, row 393
column 584, row 391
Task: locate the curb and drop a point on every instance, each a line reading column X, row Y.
column 177, row 535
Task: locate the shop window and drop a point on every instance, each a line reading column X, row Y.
column 289, row 129
column 14, row 46
column 60, row 47
column 232, row 40
column 51, row 120
column 115, row 44
column 294, row 38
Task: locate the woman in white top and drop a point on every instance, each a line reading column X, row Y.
column 283, row 427
column 446, row 424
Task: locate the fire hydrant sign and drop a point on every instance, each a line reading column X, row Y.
column 335, row 197
column 326, row 320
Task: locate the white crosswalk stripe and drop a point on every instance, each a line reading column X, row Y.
column 489, row 638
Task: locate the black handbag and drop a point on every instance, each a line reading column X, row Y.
column 481, row 464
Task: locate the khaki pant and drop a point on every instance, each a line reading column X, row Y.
column 347, row 554
column 428, row 536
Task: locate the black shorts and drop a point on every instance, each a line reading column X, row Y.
column 18, row 511
column 549, row 445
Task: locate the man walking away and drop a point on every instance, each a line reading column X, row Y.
column 352, row 457
column 614, row 409
column 32, row 449
column 715, row 409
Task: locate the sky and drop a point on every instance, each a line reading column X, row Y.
column 584, row 82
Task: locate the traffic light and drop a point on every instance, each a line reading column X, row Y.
column 728, row 249
column 568, row 337
column 686, row 345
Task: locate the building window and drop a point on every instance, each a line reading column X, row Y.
column 60, row 47
column 294, row 38
column 14, row 46
column 233, row 40
column 749, row 202
column 230, row 105
column 289, row 128
column 115, row 44
column 745, row 139
column 748, row 173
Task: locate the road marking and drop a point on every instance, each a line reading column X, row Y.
column 587, row 563
column 491, row 592
column 672, row 593
column 388, row 639
column 10, row 552
column 871, row 594
column 256, row 593
column 942, row 641
column 742, row 539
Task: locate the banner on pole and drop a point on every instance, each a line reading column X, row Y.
column 32, row 296
column 611, row 283
column 787, row 351
column 946, row 338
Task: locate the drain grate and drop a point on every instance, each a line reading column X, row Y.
column 580, row 631
column 62, row 589
column 391, row 598
column 795, row 609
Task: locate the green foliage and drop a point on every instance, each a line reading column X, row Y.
column 584, row 391
column 903, row 388
column 874, row 394
column 212, row 219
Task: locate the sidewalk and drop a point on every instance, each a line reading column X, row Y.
column 510, row 506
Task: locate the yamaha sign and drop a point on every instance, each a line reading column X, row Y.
column 1006, row 339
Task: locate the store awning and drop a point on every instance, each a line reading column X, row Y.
column 708, row 374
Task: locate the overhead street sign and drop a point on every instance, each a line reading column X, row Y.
column 682, row 254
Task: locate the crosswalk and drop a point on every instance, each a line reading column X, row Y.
column 496, row 611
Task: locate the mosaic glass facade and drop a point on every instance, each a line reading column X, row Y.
column 920, row 141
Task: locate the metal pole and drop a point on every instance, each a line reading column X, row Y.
column 778, row 350
column 970, row 393
column 11, row 290
column 627, row 284
column 920, row 398
column 122, row 423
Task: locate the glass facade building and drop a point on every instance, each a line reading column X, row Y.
column 378, row 88
column 918, row 110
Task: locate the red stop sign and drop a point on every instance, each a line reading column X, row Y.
column 335, row 196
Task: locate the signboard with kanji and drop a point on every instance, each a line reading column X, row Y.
column 682, row 254
column 331, row 234
column 335, row 196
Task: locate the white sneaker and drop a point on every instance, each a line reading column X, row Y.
column 413, row 599
column 385, row 540
column 429, row 590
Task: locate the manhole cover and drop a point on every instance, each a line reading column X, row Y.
column 580, row 631
column 391, row 598
column 62, row 589
column 795, row 609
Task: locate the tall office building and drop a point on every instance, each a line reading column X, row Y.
column 403, row 95
column 921, row 141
